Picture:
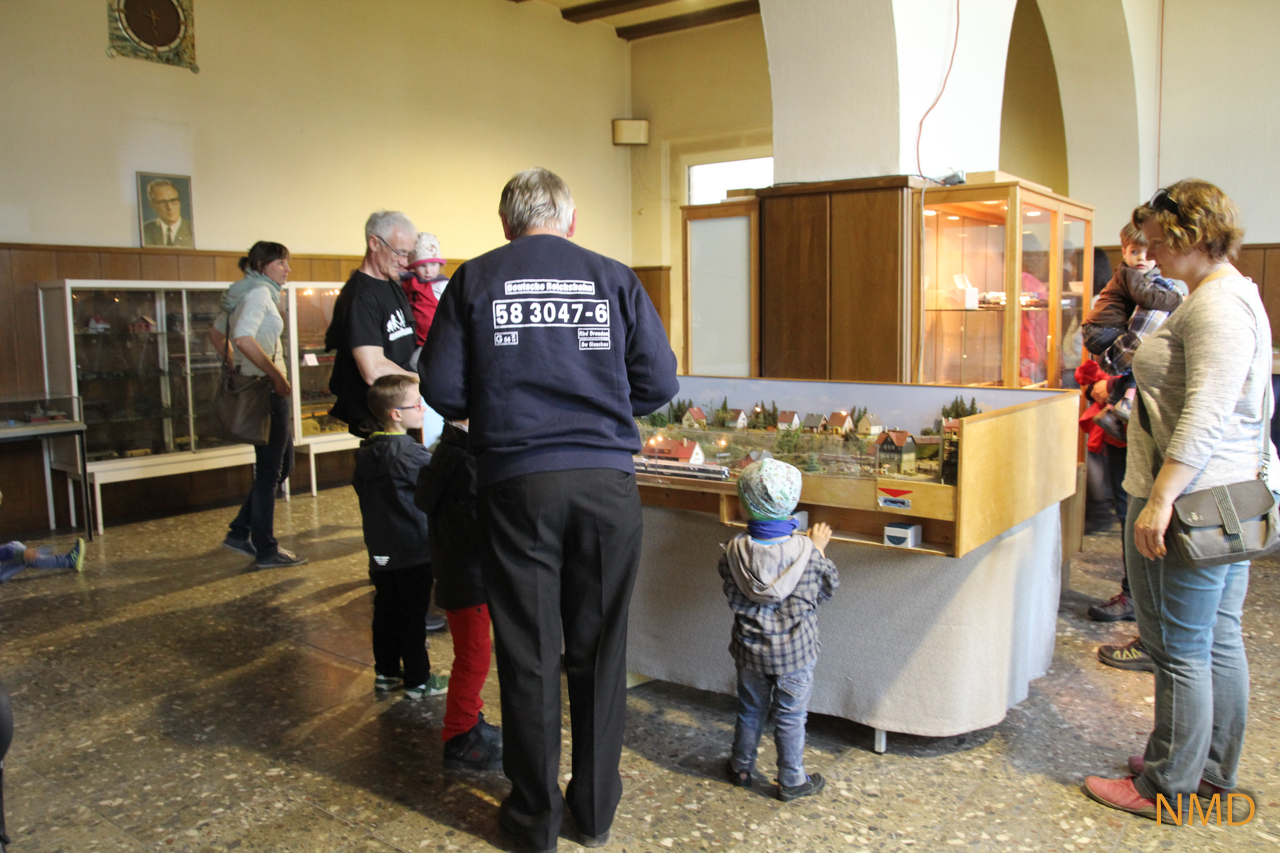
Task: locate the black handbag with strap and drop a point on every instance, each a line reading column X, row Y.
column 241, row 404
column 1223, row 524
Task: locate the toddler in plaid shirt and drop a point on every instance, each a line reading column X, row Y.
column 775, row 578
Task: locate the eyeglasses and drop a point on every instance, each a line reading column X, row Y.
column 399, row 253
column 417, row 405
column 1163, row 201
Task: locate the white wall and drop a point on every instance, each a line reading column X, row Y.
column 1142, row 21
column 1221, row 87
column 834, row 75
column 1091, row 54
column 852, row 80
column 307, row 115
column 963, row 131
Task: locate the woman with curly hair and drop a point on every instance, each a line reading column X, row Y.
column 1201, row 380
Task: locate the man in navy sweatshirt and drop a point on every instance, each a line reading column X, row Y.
column 552, row 351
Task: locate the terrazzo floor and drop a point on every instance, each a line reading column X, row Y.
column 173, row 699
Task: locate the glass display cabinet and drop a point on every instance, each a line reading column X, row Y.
column 1002, row 294
column 138, row 355
column 896, row 279
column 315, row 431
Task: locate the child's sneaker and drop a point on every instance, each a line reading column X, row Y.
column 490, row 732
column 1124, row 409
column 473, row 750
column 812, row 785
column 737, row 778
column 385, row 683
column 434, row 686
column 76, row 556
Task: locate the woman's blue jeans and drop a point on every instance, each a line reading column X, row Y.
column 1189, row 621
column 272, row 466
column 788, row 696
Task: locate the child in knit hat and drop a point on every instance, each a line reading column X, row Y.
column 775, row 578
column 424, row 285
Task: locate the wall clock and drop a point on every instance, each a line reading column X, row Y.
column 157, row 30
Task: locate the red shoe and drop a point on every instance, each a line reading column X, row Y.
column 1119, row 794
column 1204, row 792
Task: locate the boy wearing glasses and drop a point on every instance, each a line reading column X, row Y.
column 395, row 532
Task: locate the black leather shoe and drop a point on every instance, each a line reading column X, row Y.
column 512, row 832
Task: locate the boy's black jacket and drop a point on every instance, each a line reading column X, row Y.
column 395, row 530
column 447, row 494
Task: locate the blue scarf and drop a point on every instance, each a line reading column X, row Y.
column 772, row 528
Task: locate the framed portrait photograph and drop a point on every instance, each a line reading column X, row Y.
column 165, row 217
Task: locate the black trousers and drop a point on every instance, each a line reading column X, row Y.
column 400, row 602
column 561, row 562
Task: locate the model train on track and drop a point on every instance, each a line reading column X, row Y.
column 697, row 471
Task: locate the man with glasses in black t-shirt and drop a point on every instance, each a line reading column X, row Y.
column 372, row 326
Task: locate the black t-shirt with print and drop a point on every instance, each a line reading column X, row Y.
column 369, row 312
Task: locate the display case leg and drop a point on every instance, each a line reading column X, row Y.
column 48, row 483
column 882, row 742
column 287, row 491
column 71, row 501
column 311, row 460
column 97, row 503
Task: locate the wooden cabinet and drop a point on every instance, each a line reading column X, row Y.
column 896, row 279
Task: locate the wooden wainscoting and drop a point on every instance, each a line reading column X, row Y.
column 1260, row 262
column 22, row 265
column 657, row 283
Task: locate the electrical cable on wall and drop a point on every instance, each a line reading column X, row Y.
column 920, row 173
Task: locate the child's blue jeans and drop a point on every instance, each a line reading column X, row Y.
column 13, row 560
column 788, row 697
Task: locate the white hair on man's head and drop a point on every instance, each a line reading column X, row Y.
column 383, row 223
column 537, row 198
column 157, row 184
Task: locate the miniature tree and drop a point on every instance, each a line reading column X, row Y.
column 957, row 408
column 858, row 415
column 786, row 441
column 658, row 420
column 811, row 464
column 717, row 417
column 676, row 410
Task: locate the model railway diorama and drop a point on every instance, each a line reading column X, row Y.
column 711, row 442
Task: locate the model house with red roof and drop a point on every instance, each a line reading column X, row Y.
column 840, row 422
column 673, row 450
column 695, row 418
column 737, row 419
column 788, row 420
column 896, row 452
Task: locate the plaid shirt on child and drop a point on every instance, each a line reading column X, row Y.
column 776, row 639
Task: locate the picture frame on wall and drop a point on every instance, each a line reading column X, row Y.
column 165, row 216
